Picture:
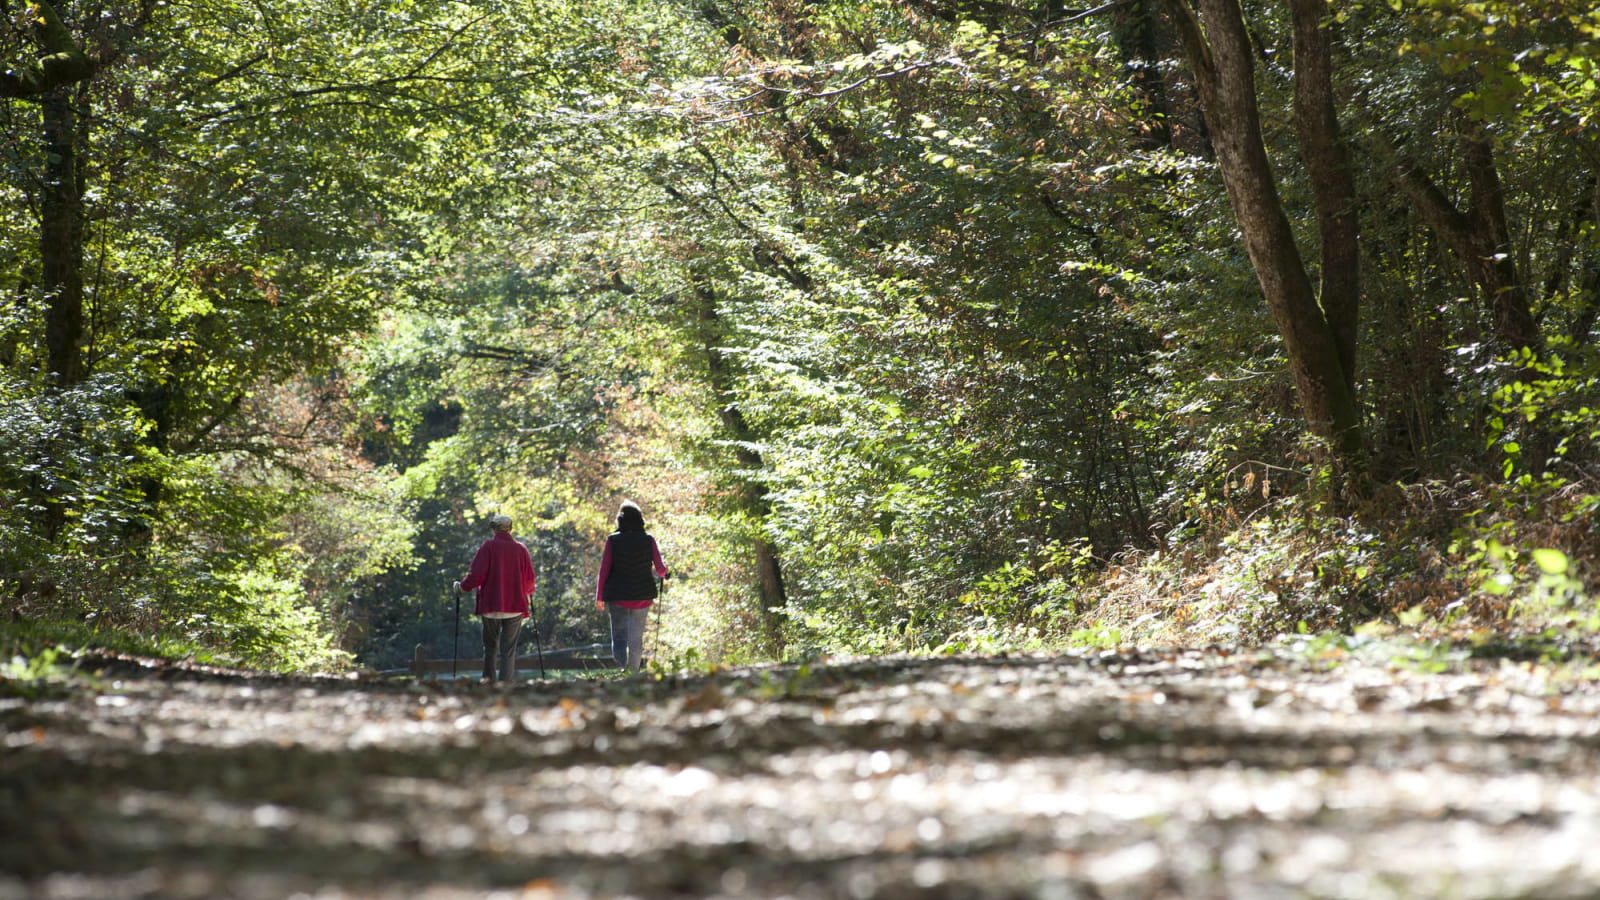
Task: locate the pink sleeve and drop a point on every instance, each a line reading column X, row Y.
column 605, row 569
column 655, row 556
column 530, row 579
column 479, row 573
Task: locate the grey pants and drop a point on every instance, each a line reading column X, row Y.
column 627, row 635
column 500, row 645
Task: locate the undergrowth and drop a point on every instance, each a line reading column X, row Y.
column 39, row 658
column 1485, row 566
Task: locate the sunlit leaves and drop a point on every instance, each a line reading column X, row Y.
column 258, row 182
column 1524, row 60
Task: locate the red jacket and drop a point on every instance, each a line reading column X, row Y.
column 502, row 571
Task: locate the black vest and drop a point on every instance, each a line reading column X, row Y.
column 632, row 575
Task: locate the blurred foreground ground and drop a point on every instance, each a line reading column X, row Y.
column 1115, row 775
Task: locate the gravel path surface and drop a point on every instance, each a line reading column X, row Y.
column 1118, row 774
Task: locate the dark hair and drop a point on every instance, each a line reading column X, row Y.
column 630, row 517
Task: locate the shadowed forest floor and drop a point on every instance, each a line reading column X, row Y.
column 1115, row 774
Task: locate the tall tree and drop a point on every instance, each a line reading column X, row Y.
column 222, row 198
column 1333, row 185
column 64, row 117
column 1217, row 46
column 1479, row 237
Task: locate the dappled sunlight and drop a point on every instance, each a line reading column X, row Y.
column 1140, row 451
column 1133, row 774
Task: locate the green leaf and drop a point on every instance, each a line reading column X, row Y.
column 1551, row 562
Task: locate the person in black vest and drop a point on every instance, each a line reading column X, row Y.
column 627, row 585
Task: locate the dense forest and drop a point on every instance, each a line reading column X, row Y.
column 914, row 325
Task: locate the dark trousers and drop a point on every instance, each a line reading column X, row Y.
column 500, row 645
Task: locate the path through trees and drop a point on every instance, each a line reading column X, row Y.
column 1114, row 774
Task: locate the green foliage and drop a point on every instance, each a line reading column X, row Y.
column 948, row 315
column 43, row 658
column 69, row 457
column 1529, row 62
column 33, row 677
column 1096, row 637
column 687, row 661
column 973, row 316
column 1553, row 410
column 257, row 187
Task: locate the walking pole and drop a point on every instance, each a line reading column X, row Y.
column 661, row 597
column 537, row 646
column 455, row 649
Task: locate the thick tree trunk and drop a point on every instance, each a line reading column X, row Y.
column 1218, row 49
column 769, row 572
column 1332, row 180
column 61, row 239
column 1480, row 239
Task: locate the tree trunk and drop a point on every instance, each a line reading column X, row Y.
column 1332, row 180
column 1497, row 267
column 1218, row 49
column 61, row 239
column 1480, row 239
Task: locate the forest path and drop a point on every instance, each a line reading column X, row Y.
column 1132, row 774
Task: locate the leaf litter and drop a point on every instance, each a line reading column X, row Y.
column 1115, row 774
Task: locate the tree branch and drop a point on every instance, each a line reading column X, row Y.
column 413, row 74
column 63, row 63
column 1436, row 209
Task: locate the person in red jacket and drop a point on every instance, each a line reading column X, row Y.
column 502, row 574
